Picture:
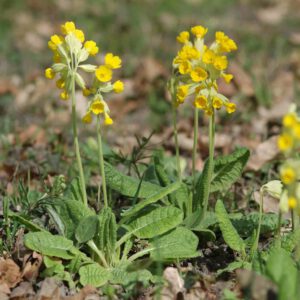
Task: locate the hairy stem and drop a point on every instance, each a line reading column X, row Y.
column 174, row 119
column 101, row 162
column 195, row 144
column 210, row 163
column 93, row 246
column 76, row 142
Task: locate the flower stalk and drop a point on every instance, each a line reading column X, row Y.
column 210, row 163
column 76, row 142
column 101, row 162
column 195, row 144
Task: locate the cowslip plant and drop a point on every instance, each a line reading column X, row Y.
column 196, row 70
column 289, row 144
column 70, row 51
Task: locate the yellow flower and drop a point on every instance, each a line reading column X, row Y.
column 118, row 86
column 103, row 73
column 68, row 27
column 227, row 77
column 185, row 67
column 182, row 92
column 289, row 120
column 296, row 130
column 91, row 47
column 64, row 95
column 79, row 34
column 183, row 37
column 220, row 62
column 292, row 201
column 226, row 44
column 198, row 74
column 284, row 142
column 97, row 107
column 49, row 73
column 288, row 175
column 55, row 40
column 230, row 107
column 201, row 102
column 87, row 118
column 112, row 61
column 86, row 92
column 217, row 103
column 199, row 31
column 108, row 120
column 188, row 52
column 60, row 83
column 208, row 56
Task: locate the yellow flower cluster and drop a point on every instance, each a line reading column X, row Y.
column 70, row 50
column 289, row 144
column 289, row 140
column 198, row 67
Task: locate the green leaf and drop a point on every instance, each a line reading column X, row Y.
column 178, row 243
column 290, row 241
column 27, row 223
column 282, row 270
column 75, row 191
column 227, row 169
column 229, row 233
column 156, row 222
column 194, row 221
column 154, row 198
column 94, row 275
column 69, row 213
column 86, row 229
column 202, row 187
column 235, row 265
column 249, row 222
column 106, row 235
column 129, row 186
column 120, row 275
column 48, row 244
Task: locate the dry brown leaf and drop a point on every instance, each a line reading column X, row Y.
column 261, row 287
column 31, row 266
column 270, row 204
column 86, row 293
column 265, row 152
column 174, row 284
column 9, row 273
column 23, row 292
column 33, row 134
column 50, row 290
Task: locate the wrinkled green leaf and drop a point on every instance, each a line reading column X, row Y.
column 129, row 186
column 202, row 187
column 106, row 236
column 154, row 198
column 120, row 275
column 249, row 222
column 94, row 275
column 69, row 213
column 178, row 243
column 229, row 233
column 227, row 169
column 86, row 229
column 48, row 244
column 156, row 222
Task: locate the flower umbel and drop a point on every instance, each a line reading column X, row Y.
column 197, row 68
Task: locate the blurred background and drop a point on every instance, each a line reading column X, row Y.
column 35, row 124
